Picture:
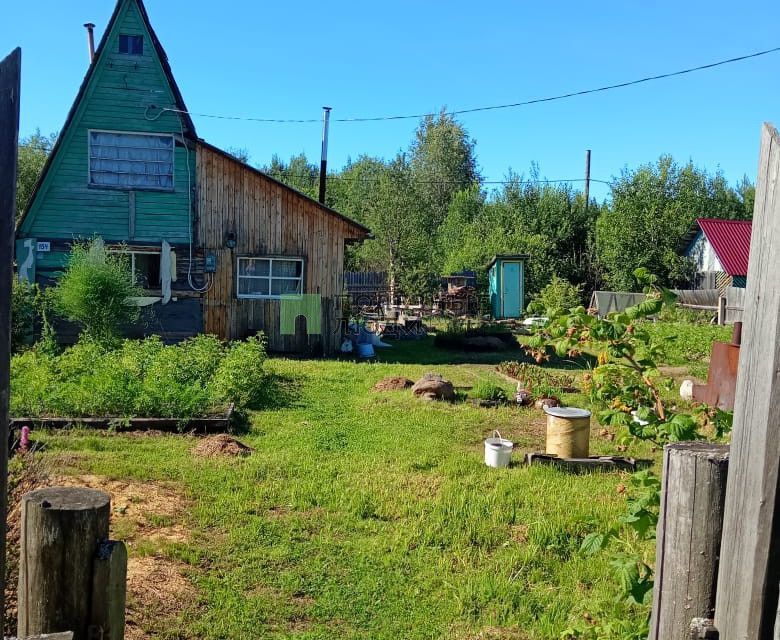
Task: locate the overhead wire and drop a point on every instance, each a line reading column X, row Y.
column 510, row 105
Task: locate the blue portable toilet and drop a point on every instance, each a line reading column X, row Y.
column 506, row 275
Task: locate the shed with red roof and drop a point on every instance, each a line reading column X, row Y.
column 720, row 250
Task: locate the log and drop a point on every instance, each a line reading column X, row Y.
column 689, row 534
column 62, row 528
column 109, row 591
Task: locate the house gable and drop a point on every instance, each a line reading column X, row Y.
column 703, row 255
column 125, row 93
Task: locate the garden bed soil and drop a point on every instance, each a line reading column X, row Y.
column 220, row 446
column 393, row 383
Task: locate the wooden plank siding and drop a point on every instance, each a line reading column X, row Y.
column 268, row 219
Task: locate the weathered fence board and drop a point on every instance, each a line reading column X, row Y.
column 10, row 74
column 747, row 596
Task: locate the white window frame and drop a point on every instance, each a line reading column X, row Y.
column 94, row 185
column 270, row 277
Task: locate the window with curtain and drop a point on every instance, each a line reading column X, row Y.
column 269, row 277
column 131, row 160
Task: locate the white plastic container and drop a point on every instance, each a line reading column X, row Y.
column 498, row 451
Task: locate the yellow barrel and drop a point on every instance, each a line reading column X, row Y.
column 568, row 432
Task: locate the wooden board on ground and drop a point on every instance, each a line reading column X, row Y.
column 592, row 463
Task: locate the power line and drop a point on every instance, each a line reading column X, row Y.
column 315, row 176
column 511, row 105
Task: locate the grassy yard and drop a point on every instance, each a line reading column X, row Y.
column 358, row 515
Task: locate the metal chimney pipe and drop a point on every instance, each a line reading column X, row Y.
column 90, row 27
column 324, row 156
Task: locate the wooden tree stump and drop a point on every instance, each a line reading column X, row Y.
column 62, row 529
column 689, row 534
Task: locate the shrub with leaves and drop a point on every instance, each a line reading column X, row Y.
column 486, row 390
column 23, row 314
column 96, row 291
column 559, row 295
column 629, row 387
column 144, row 378
column 240, row 378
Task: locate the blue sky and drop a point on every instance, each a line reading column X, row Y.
column 287, row 60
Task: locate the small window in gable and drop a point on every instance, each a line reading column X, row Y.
column 131, row 160
column 131, row 45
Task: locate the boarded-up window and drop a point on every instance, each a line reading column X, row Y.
column 131, row 160
column 269, row 277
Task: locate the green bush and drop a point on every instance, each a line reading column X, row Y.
column 95, row 291
column 485, row 390
column 145, row 378
column 239, row 378
column 23, row 314
column 559, row 295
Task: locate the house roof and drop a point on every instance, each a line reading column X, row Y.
column 189, row 126
column 248, row 167
column 730, row 239
column 507, row 256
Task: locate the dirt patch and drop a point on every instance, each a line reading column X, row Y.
column 156, row 586
column 394, row 383
column 148, row 510
column 519, row 533
column 219, row 446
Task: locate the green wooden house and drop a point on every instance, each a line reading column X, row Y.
column 129, row 168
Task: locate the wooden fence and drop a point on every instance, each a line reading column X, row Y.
column 745, row 552
column 728, row 304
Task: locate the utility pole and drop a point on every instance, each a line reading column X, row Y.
column 587, row 180
column 324, row 156
column 10, row 74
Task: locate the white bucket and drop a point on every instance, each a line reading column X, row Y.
column 498, row 451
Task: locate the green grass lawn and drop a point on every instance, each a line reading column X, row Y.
column 366, row 515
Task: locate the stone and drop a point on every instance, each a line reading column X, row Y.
column 432, row 386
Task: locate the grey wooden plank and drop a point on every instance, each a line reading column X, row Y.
column 748, row 578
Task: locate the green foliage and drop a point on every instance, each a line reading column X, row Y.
column 457, row 333
column 33, row 152
column 487, row 390
column 533, row 377
column 138, row 378
column 23, row 314
column 556, row 296
column 240, row 378
column 652, row 210
column 95, row 291
column 628, row 382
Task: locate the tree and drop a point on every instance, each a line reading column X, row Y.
column 394, row 216
column 96, row 291
column 652, row 210
column 442, row 163
column 240, row 153
column 298, row 173
column 33, row 152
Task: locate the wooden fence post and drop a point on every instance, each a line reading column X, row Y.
column 722, row 300
column 10, row 74
column 689, row 534
column 747, row 599
column 62, row 529
column 109, row 584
